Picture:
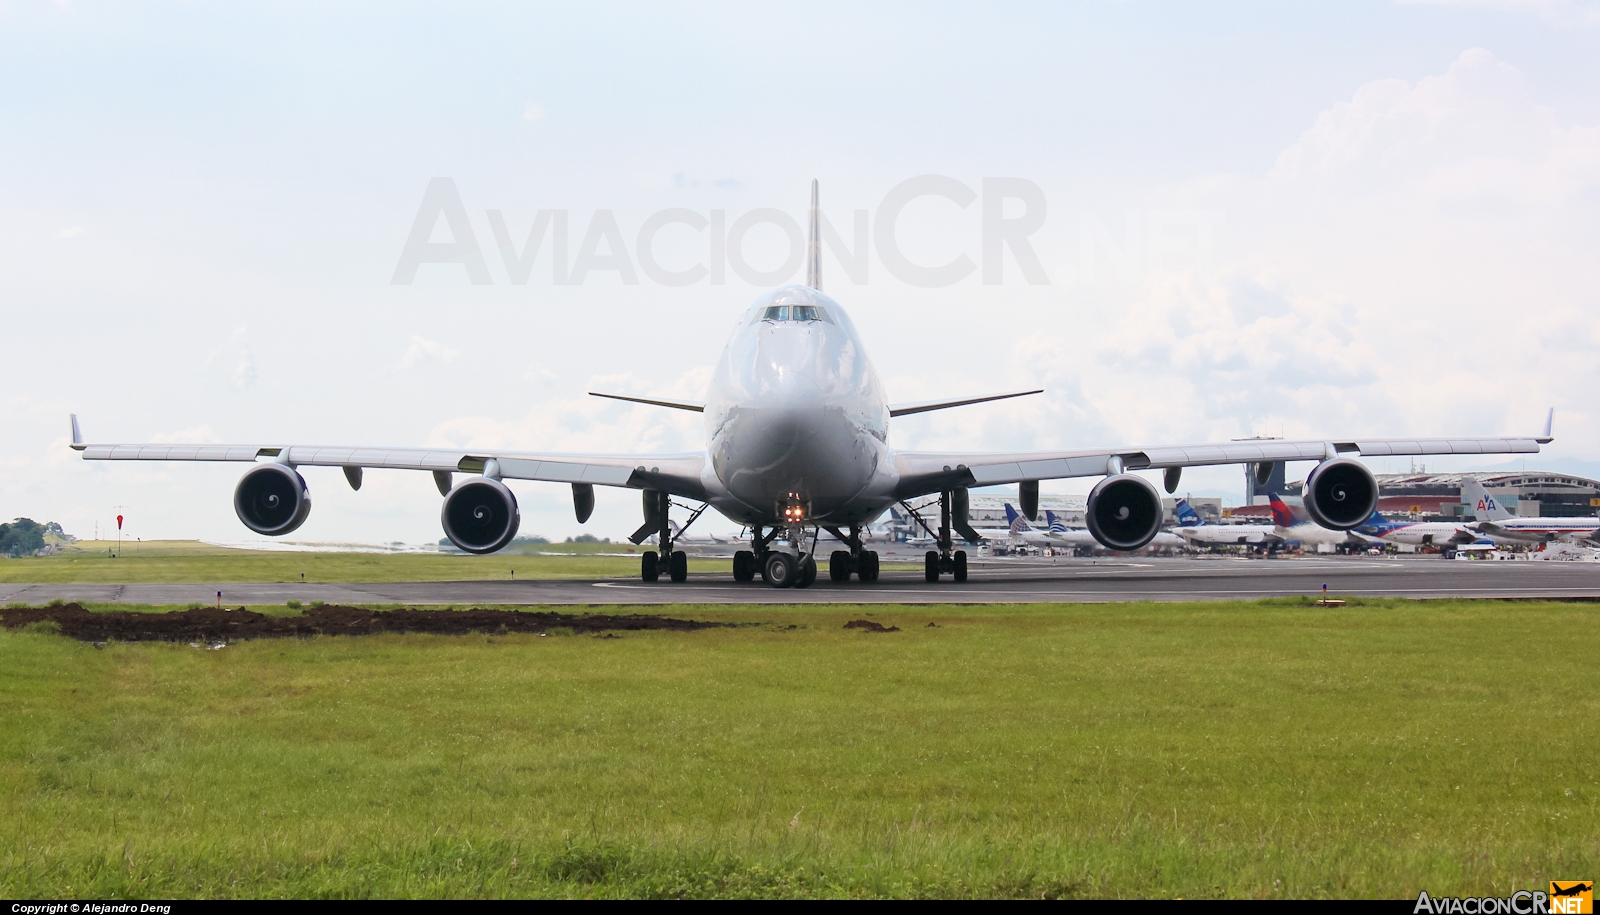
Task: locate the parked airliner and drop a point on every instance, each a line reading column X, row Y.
column 1495, row 522
column 797, row 441
column 1295, row 523
column 1199, row 534
column 1442, row 534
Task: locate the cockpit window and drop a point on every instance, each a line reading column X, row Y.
column 795, row 313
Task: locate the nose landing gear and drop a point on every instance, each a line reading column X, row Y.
column 787, row 570
column 779, row 568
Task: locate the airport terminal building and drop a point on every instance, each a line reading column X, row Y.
column 1530, row 493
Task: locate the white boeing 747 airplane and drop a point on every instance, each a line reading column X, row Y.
column 797, row 441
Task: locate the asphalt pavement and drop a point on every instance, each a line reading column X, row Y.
column 1022, row 580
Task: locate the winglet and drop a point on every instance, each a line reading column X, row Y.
column 1549, row 420
column 814, row 245
column 77, row 435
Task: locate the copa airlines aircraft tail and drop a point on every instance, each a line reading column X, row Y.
column 797, row 440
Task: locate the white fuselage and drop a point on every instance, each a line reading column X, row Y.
column 1227, row 534
column 1313, row 533
column 795, row 414
column 1539, row 530
column 1429, row 533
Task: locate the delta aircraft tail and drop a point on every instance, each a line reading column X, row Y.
column 1484, row 506
column 1283, row 515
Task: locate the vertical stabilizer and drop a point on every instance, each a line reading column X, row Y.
column 1187, row 516
column 814, row 244
column 1484, row 507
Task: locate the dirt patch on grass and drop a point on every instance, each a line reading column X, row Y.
column 870, row 626
column 212, row 624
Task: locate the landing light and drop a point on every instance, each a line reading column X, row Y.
column 794, row 510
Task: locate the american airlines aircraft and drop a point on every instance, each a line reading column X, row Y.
column 1494, row 521
column 797, row 441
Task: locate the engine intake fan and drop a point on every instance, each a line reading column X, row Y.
column 480, row 515
column 1340, row 494
column 1124, row 512
column 272, row 499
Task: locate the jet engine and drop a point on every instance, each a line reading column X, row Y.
column 1341, row 494
column 1124, row 512
column 480, row 515
column 272, row 499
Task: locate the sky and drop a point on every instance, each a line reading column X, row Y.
column 1317, row 220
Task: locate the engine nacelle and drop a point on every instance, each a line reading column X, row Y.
column 480, row 515
column 1124, row 512
column 1340, row 494
column 272, row 499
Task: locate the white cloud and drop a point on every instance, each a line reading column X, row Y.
column 427, row 352
column 593, row 425
column 244, row 363
column 1419, row 261
column 533, row 111
column 70, row 232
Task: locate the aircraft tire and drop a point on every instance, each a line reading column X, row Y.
column 648, row 569
column 779, row 569
column 744, row 566
column 678, row 566
column 868, row 570
column 930, row 566
column 961, row 566
column 808, row 572
column 839, row 566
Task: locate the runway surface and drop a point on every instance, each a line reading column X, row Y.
column 992, row 581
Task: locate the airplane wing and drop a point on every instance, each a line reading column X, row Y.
column 678, row 474
column 923, row 472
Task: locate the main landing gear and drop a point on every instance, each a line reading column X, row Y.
column 946, row 560
column 784, row 569
column 856, row 560
column 673, row 562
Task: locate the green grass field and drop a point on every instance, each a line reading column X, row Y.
column 189, row 560
column 1218, row 749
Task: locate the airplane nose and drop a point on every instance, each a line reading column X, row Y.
column 782, row 373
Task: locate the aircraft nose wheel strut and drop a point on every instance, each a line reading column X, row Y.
column 778, row 568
